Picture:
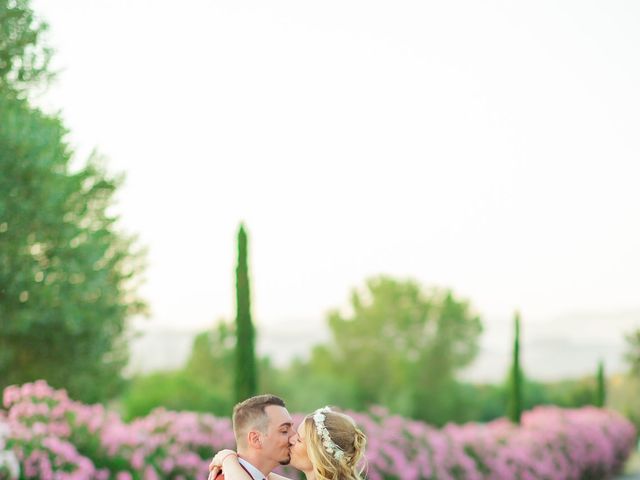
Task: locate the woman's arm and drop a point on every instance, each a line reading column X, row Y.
column 227, row 460
column 275, row 476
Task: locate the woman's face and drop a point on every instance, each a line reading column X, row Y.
column 299, row 457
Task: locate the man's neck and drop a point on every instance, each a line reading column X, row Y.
column 265, row 466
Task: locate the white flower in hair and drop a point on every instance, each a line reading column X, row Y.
column 329, row 445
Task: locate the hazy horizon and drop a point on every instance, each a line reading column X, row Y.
column 568, row 347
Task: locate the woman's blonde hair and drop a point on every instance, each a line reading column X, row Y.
column 344, row 434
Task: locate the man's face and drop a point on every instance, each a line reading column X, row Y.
column 275, row 442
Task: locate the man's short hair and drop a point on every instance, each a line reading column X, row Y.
column 250, row 414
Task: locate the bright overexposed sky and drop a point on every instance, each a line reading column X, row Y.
column 492, row 147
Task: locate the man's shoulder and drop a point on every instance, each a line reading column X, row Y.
column 250, row 469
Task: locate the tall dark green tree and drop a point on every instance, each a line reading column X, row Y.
column 246, row 377
column 601, row 392
column 514, row 404
column 67, row 275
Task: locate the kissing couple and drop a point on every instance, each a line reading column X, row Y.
column 327, row 445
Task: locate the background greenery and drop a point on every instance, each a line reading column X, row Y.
column 387, row 319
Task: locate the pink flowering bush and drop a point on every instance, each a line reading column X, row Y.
column 55, row 437
column 586, row 444
column 46, row 435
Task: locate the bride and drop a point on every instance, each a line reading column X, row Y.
column 327, row 446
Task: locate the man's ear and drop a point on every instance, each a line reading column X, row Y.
column 255, row 439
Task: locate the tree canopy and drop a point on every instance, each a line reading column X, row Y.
column 24, row 56
column 400, row 344
column 68, row 276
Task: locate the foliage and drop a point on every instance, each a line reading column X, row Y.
column 67, row 276
column 205, row 384
column 246, row 381
column 601, row 393
column 213, row 355
column 632, row 355
column 304, row 388
column 569, row 393
column 400, row 346
column 515, row 378
column 622, row 396
column 50, row 434
column 486, row 402
column 66, row 273
column 24, row 56
column 174, row 391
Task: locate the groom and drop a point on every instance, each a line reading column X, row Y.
column 262, row 427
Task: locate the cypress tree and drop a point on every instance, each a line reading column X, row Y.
column 601, row 395
column 515, row 385
column 245, row 371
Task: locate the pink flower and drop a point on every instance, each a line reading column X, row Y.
column 11, row 395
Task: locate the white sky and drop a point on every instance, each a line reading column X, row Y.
column 492, row 147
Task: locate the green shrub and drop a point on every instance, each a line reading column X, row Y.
column 174, row 391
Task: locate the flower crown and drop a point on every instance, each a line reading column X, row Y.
column 328, row 444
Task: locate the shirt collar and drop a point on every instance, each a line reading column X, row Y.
column 253, row 471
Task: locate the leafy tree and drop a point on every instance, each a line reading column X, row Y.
column 24, row 57
column 400, row 345
column 516, row 377
column 246, row 381
column 67, row 275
